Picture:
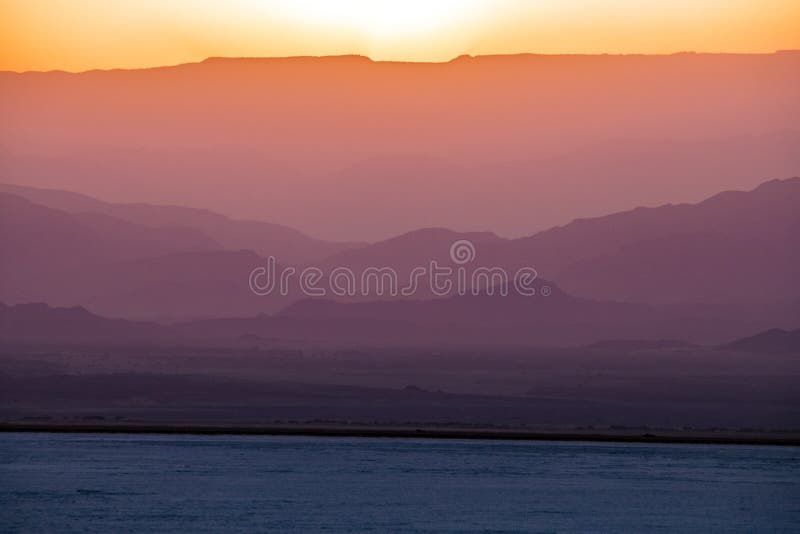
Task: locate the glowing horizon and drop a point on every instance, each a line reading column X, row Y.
column 77, row 36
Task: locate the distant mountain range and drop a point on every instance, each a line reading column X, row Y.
column 120, row 268
column 699, row 272
column 346, row 148
column 773, row 341
column 138, row 260
column 40, row 323
column 734, row 246
column 262, row 238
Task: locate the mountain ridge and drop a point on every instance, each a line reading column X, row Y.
column 501, row 143
column 365, row 58
column 266, row 238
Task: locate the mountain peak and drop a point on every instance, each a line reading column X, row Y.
column 775, row 341
column 779, row 184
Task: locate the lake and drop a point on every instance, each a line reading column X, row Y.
column 183, row 483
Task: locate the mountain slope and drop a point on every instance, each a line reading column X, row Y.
column 286, row 244
column 735, row 249
column 42, row 323
column 733, row 246
column 39, row 245
column 121, row 269
column 481, row 321
column 773, row 341
column 736, row 245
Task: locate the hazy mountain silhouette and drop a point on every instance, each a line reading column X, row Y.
column 735, row 248
column 412, row 249
column 39, row 245
column 474, row 321
column 773, row 341
column 515, row 144
column 556, row 319
column 484, row 307
column 634, row 345
column 29, row 228
column 176, row 286
column 735, row 245
column 121, row 269
column 286, row 244
column 130, row 303
column 42, row 323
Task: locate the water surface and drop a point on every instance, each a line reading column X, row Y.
column 168, row 483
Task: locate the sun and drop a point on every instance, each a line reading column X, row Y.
column 381, row 18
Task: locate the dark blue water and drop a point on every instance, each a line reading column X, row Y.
column 157, row 483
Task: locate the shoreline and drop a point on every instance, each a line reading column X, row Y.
column 426, row 432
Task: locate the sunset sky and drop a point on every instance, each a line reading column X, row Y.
column 78, row 35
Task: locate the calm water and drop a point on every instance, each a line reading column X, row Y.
column 155, row 483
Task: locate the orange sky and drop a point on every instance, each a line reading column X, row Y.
column 83, row 34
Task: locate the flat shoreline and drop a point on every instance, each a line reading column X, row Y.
column 622, row 436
